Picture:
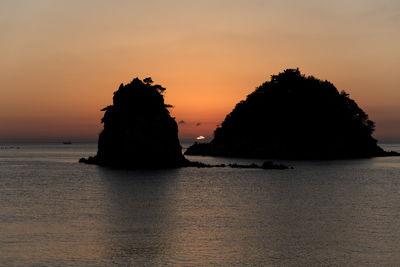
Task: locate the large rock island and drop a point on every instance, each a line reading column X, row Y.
column 139, row 131
column 294, row 117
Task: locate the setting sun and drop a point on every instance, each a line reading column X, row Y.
column 62, row 60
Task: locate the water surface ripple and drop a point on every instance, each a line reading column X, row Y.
column 54, row 211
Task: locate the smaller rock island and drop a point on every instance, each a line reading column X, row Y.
column 297, row 117
column 139, row 131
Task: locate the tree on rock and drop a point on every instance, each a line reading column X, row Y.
column 139, row 131
column 293, row 116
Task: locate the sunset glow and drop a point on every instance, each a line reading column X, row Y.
column 62, row 60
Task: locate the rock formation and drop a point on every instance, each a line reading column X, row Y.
column 294, row 117
column 139, row 131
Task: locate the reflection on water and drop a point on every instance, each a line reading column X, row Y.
column 139, row 214
column 54, row 211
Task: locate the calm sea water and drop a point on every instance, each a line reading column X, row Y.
column 57, row 212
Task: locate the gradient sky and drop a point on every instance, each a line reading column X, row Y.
column 62, row 60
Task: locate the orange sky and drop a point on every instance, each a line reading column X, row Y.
column 62, row 60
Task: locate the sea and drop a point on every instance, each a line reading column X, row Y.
column 55, row 211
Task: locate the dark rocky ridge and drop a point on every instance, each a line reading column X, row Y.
column 294, row 117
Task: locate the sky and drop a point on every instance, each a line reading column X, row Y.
column 61, row 60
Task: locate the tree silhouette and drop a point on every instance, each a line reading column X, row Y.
column 148, row 81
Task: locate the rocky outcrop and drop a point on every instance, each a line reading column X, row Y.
column 139, row 131
column 293, row 116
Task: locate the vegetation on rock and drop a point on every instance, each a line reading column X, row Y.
column 139, row 131
column 294, row 116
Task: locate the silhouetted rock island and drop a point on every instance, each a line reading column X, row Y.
column 139, row 132
column 294, row 117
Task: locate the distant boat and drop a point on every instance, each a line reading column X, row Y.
column 67, row 143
